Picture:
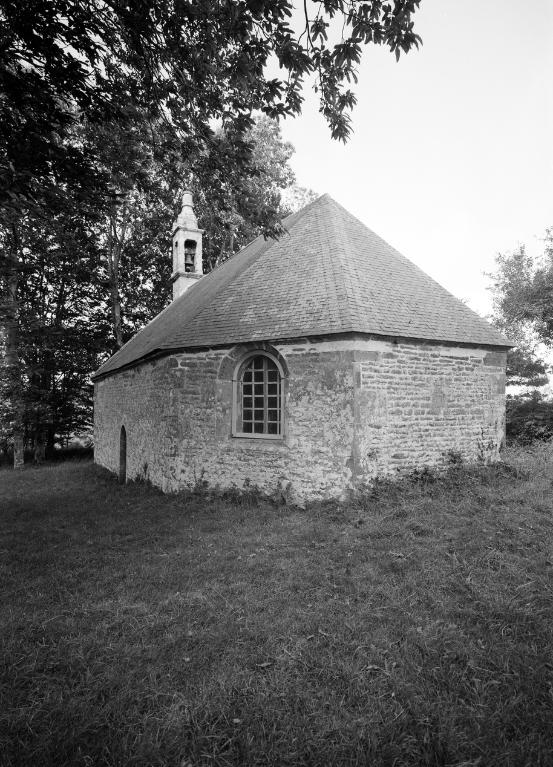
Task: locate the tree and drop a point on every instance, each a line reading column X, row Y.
column 297, row 197
column 181, row 65
column 132, row 234
column 11, row 380
column 98, row 269
column 523, row 309
column 247, row 205
column 60, row 332
column 188, row 63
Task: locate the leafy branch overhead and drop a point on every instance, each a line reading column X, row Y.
column 106, row 107
column 187, row 62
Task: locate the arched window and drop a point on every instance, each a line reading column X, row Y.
column 258, row 398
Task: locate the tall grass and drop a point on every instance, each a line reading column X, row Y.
column 412, row 626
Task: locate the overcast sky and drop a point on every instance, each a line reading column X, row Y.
column 452, row 156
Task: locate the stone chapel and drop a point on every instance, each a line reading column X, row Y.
column 312, row 364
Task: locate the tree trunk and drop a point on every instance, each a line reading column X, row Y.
column 13, row 363
column 116, row 242
column 50, row 440
column 18, row 449
column 116, row 310
column 40, row 449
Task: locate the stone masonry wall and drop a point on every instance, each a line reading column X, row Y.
column 354, row 409
column 177, row 416
column 424, row 405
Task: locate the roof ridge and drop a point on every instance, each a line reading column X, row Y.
column 269, row 241
column 269, row 237
column 335, row 223
column 298, row 215
column 404, row 260
column 328, row 273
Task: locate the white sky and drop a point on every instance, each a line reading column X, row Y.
column 451, row 160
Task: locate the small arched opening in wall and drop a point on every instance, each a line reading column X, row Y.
column 123, row 456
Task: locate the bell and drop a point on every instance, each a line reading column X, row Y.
column 189, row 260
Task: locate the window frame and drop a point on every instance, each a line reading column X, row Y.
column 237, row 397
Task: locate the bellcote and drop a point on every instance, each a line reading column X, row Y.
column 187, row 248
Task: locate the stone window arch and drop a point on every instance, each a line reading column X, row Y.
column 258, row 397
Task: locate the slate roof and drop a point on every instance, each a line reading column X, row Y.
column 328, row 274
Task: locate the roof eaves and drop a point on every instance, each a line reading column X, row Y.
column 164, row 351
column 108, row 364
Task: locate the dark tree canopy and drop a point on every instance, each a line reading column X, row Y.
column 186, row 62
column 106, row 106
column 97, row 269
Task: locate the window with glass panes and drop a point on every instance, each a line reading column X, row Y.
column 259, row 397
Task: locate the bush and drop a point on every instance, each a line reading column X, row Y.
column 529, row 418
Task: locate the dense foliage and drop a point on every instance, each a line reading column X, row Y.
column 106, row 109
column 186, row 63
column 523, row 309
column 529, row 418
column 98, row 269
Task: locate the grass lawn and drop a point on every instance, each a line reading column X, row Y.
column 414, row 627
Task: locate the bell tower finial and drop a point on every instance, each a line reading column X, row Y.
column 187, row 247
